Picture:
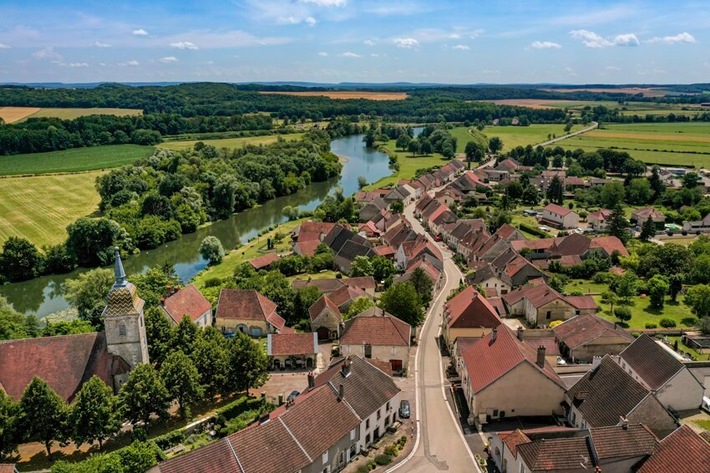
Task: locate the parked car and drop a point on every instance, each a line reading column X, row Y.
column 404, row 409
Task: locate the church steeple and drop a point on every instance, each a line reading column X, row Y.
column 118, row 270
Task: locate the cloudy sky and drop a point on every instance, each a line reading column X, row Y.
column 464, row 41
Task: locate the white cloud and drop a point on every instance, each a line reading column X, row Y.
column 184, row 45
column 570, row 71
column 78, row 64
column 323, row 54
column 168, row 60
column 490, row 71
column 613, row 68
column 350, row 54
column 132, row 63
column 327, row 3
column 374, row 55
column 370, row 42
column 310, row 21
column 406, row 43
column 47, row 53
column 461, row 47
column 545, row 45
column 593, row 40
column 139, row 32
column 4, row 46
column 679, row 38
column 100, row 44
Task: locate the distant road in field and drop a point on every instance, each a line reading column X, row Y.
column 569, row 135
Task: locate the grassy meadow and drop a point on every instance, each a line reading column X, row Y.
column 230, row 142
column 73, row 160
column 679, row 144
column 39, row 208
column 408, row 165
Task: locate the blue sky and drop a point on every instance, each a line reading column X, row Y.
column 496, row 41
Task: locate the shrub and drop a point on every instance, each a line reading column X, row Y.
column 622, row 313
column 170, row 439
column 391, row 450
column 213, row 282
column 651, row 325
column 667, row 323
column 383, row 459
column 362, row 469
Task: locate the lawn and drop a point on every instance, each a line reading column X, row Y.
column 39, row 208
column 230, row 142
column 683, row 144
column 642, row 313
column 71, row 113
column 408, row 165
column 513, row 136
column 73, row 160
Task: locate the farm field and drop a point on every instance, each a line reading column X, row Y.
column 39, row 208
column 346, row 94
column 408, row 165
column 626, row 108
column 680, row 144
column 71, row 113
column 230, row 142
column 513, row 136
column 13, row 114
column 73, row 160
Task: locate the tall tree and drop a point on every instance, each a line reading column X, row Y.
column 159, row 333
column 182, row 381
column 211, row 358
column 9, row 434
column 359, row 305
column 698, row 298
column 211, row 249
column 185, row 335
column 675, row 285
column 87, row 294
column 495, row 144
column 403, row 301
column 612, row 194
column 555, row 190
column 94, row 415
column 657, row 290
column 617, row 224
column 423, row 285
column 143, row 395
column 362, row 266
column 382, row 268
column 247, row 363
column 648, row 229
column 20, row 259
column 657, row 185
column 626, row 286
column 43, row 415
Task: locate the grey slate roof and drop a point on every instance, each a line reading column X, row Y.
column 650, row 361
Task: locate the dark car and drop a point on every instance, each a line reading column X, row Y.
column 292, row 396
column 404, row 410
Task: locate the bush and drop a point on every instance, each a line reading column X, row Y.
column 170, row 439
column 211, row 249
column 651, row 325
column 667, row 323
column 363, row 469
column 391, row 450
column 533, row 230
column 383, row 459
column 622, row 313
column 213, row 282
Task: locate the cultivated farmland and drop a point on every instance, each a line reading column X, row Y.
column 230, row 142
column 73, row 160
column 13, row 114
column 71, row 113
column 676, row 144
column 347, row 94
column 513, row 136
column 39, row 208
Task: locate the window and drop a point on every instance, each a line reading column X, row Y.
column 367, row 424
column 325, row 457
column 388, row 406
column 576, row 312
column 548, row 315
column 122, row 330
column 352, row 434
column 367, row 439
column 379, row 414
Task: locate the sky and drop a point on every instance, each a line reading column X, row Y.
column 374, row 41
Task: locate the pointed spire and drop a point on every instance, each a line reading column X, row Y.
column 118, row 270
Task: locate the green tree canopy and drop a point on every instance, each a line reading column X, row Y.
column 657, row 290
column 247, row 363
column 143, row 395
column 20, row 259
column 359, row 305
column 94, row 415
column 87, row 294
column 423, row 285
column 211, row 249
column 211, row 358
column 9, row 433
column 43, row 415
column 403, row 301
column 698, row 298
column 182, row 381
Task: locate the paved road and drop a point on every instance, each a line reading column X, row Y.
column 441, row 446
column 570, row 135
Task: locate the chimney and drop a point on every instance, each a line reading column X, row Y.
column 520, row 333
column 311, row 380
column 341, row 392
column 624, row 423
column 494, row 334
column 541, row 356
column 596, row 361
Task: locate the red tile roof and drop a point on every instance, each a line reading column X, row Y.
column 513, row 439
column 384, row 250
column 7, row 468
column 346, row 294
column 284, row 344
column 376, row 327
column 212, row 458
column 609, row 244
column 558, row 209
column 552, row 348
column 469, row 309
column 360, row 282
column 641, row 215
column 320, row 305
column 683, row 451
column 306, row 248
column 537, row 294
column 187, row 301
column 583, row 329
column 601, row 214
column 489, row 360
column 264, row 261
column 247, row 305
column 582, row 302
column 556, row 454
column 313, row 230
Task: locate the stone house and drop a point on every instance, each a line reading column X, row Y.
column 468, row 314
column 583, row 337
column 248, row 312
column 187, row 301
column 541, row 304
column 292, row 350
column 326, row 319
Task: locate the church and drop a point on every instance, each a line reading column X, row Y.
column 66, row 362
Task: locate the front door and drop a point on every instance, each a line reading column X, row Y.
column 323, row 334
column 396, row 365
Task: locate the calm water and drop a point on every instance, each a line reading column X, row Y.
column 43, row 295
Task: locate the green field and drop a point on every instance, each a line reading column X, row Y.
column 513, row 136
column 682, row 144
column 408, row 165
column 230, row 142
column 71, row 113
column 73, row 160
column 39, row 208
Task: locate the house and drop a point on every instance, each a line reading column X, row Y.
column 638, row 217
column 585, row 336
column 292, row 350
column 468, row 314
column 317, row 431
column 560, row 217
column 248, row 312
column 188, row 301
column 325, row 318
column 349, row 251
column 412, row 250
column 598, row 220
column 377, row 334
column 607, row 394
column 368, row 391
column 307, row 236
column 658, row 368
column 541, row 304
column 371, row 208
column 504, row 377
column 697, row 227
column 683, row 451
column 65, row 362
column 264, row 261
column 344, row 297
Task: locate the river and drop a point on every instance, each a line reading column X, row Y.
column 44, row 295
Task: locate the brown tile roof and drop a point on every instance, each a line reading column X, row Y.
column 488, row 359
column 469, row 309
column 362, row 282
column 574, row 244
column 556, row 454
column 582, row 302
column 384, row 250
column 641, row 215
column 606, row 393
column 346, row 294
column 187, row 301
column 617, row 442
column 312, row 230
column 513, row 439
column 306, row 248
column 601, row 214
column 586, row 328
column 212, row 458
column 324, row 285
column 464, row 343
column 320, row 305
column 683, row 451
column 558, row 209
column 263, row 261
column 537, row 294
column 64, row 362
column 552, row 348
column 284, row 344
column 7, row 468
column 609, row 244
column 376, row 327
column 650, row 361
column 247, row 305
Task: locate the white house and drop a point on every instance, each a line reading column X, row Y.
column 559, row 216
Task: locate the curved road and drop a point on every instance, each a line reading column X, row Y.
column 440, row 445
